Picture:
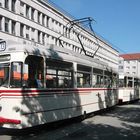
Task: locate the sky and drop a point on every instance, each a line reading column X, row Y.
column 118, row 21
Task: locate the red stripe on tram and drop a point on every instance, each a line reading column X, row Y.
column 9, row 121
column 34, row 92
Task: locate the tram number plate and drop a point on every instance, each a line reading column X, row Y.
column 2, row 45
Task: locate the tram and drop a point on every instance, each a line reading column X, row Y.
column 129, row 89
column 44, row 85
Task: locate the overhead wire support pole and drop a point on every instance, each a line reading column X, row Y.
column 82, row 20
column 79, row 22
column 95, row 38
column 81, row 44
column 89, row 20
column 60, row 41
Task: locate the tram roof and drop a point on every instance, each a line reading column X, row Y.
column 54, row 52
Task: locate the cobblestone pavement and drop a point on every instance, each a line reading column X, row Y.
column 122, row 122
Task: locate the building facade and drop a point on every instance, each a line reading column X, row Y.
column 39, row 23
column 129, row 64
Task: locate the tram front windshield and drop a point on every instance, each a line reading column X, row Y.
column 4, row 74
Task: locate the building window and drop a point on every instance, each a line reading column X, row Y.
column 39, row 15
column 27, row 32
column 13, row 27
column 21, row 8
column 6, row 25
column 43, row 38
column 32, row 13
column 134, row 67
column 13, row 5
column 7, row 4
column 134, row 73
column 120, row 61
column 55, row 41
column 27, row 11
column 21, row 30
column 47, row 22
column 0, row 3
column 0, row 23
column 33, row 34
column 52, row 25
column 59, row 31
column 43, row 19
column 120, row 67
column 47, row 38
column 39, row 35
column 127, row 67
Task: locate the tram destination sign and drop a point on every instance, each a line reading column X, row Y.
column 2, row 45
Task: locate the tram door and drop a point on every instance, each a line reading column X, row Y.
column 36, row 71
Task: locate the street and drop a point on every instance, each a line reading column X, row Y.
column 122, row 122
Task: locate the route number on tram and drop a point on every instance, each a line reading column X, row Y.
column 2, row 45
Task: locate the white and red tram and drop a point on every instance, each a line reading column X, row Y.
column 39, row 85
column 129, row 88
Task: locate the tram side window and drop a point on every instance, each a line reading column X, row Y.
column 35, row 71
column 125, row 81
column 97, row 78
column 83, row 76
column 115, row 80
column 136, row 82
column 4, row 74
column 16, row 74
column 51, row 78
column 130, row 82
column 139, row 83
column 83, row 80
column 59, row 74
column 121, row 82
column 108, row 79
column 64, row 79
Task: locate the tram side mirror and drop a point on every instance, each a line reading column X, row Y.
column 25, row 76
